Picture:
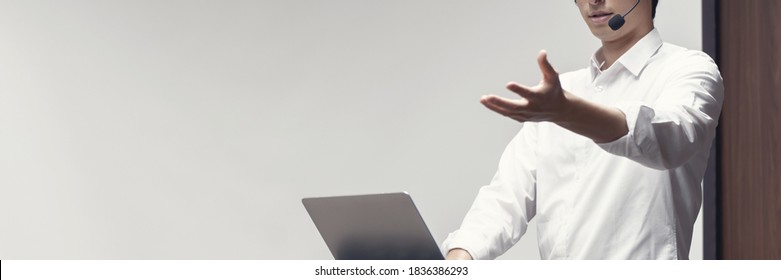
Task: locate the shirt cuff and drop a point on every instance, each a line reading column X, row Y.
column 470, row 242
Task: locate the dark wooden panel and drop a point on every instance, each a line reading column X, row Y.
column 750, row 175
column 710, row 221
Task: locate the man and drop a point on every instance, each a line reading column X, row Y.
column 611, row 158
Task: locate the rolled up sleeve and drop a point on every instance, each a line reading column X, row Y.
column 666, row 134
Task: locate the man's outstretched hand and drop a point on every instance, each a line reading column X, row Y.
column 548, row 101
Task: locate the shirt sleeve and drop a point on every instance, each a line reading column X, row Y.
column 502, row 210
column 666, row 134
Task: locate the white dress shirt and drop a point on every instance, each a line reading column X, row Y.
column 634, row 198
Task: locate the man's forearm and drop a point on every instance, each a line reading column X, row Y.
column 599, row 123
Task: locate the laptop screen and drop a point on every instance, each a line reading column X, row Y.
column 373, row 227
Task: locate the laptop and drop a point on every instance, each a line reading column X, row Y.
column 372, row 227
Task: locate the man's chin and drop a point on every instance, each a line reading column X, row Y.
column 600, row 34
column 604, row 33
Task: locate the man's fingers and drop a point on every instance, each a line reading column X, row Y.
column 548, row 73
column 515, row 116
column 504, row 106
column 521, row 90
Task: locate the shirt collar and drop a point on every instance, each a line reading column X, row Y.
column 635, row 59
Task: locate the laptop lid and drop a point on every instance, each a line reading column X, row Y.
column 372, row 227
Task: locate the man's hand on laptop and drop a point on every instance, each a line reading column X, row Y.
column 458, row 254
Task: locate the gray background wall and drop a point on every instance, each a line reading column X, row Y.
column 192, row 129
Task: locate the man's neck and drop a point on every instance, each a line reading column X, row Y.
column 613, row 50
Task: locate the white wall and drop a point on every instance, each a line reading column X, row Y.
column 192, row 129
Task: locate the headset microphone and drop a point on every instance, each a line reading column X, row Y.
column 618, row 20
